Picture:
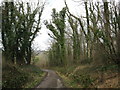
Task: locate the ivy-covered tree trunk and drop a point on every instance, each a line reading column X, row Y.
column 57, row 27
column 88, row 31
column 7, row 33
column 118, row 37
column 29, row 54
column 75, row 39
column 19, row 28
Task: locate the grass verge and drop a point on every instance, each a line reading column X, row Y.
column 89, row 76
column 26, row 76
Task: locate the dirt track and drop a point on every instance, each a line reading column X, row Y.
column 52, row 80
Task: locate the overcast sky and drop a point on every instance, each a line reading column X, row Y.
column 42, row 41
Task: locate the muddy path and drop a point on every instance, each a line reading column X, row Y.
column 52, row 80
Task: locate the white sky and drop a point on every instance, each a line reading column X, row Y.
column 42, row 41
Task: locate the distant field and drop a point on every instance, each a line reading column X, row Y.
column 42, row 59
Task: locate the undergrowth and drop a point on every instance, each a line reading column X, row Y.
column 84, row 76
column 26, row 76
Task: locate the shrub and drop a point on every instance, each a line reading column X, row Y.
column 13, row 77
column 86, row 61
column 84, row 80
column 35, row 60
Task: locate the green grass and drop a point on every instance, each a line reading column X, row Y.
column 83, row 76
column 64, row 73
column 27, row 76
column 68, row 82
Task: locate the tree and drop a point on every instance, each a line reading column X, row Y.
column 19, row 28
column 57, row 27
column 75, row 39
column 99, row 28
